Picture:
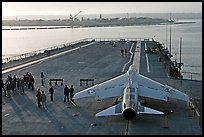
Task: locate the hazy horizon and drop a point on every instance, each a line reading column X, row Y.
column 107, row 15
column 90, row 8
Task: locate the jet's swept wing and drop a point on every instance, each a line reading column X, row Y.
column 174, row 93
column 111, row 88
column 153, row 89
column 152, row 93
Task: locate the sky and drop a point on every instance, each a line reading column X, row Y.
column 64, row 8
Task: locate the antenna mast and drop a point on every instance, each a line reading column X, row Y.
column 170, row 37
column 180, row 64
column 166, row 32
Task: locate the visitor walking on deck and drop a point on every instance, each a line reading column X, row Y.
column 42, row 78
column 8, row 88
column 126, row 52
column 43, row 97
column 38, row 97
column 3, row 87
column 32, row 82
column 22, row 84
column 51, row 91
column 121, row 51
column 66, row 93
column 71, row 91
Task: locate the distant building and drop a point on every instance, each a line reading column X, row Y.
column 100, row 17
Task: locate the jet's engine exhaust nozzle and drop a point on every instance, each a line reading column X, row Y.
column 128, row 113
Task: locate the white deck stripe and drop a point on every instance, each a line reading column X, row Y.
column 136, row 61
column 130, row 58
column 147, row 58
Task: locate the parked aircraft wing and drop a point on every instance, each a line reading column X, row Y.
column 156, row 90
column 145, row 110
column 111, row 88
column 152, row 93
column 147, row 82
column 114, row 110
column 174, row 93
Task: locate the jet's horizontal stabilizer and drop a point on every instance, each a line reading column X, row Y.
column 146, row 110
column 111, row 111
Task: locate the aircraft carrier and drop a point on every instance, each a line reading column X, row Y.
column 85, row 64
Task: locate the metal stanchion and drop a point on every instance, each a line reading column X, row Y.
column 181, row 83
column 191, row 107
column 165, row 121
column 191, row 110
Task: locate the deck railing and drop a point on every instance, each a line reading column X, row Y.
column 192, row 75
column 33, row 53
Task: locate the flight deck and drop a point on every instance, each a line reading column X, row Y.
column 101, row 61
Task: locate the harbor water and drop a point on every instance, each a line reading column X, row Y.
column 16, row 42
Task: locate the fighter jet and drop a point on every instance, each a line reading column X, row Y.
column 130, row 86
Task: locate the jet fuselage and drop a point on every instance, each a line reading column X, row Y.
column 130, row 98
column 129, row 104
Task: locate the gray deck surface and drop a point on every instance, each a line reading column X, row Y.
column 99, row 61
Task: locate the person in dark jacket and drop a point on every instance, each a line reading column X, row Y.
column 3, row 87
column 22, row 84
column 32, row 82
column 71, row 91
column 66, row 93
column 51, row 91
column 121, row 51
column 42, row 78
column 126, row 52
column 39, row 97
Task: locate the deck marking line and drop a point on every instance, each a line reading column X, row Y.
column 127, row 126
column 147, row 58
column 130, row 58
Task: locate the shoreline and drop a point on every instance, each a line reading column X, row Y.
column 97, row 22
column 28, row 27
